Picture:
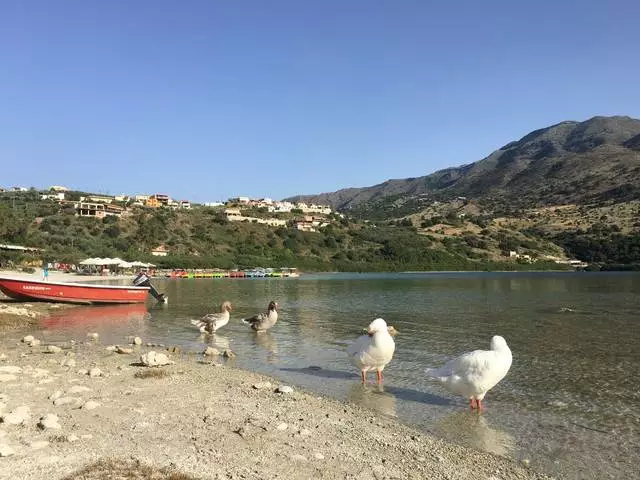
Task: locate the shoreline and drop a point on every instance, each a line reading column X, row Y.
column 213, row 421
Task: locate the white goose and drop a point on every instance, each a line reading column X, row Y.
column 213, row 321
column 374, row 350
column 473, row 374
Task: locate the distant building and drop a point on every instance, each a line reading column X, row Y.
column 160, row 251
column 100, row 198
column 213, row 204
column 161, row 198
column 89, row 209
column 152, row 202
column 58, row 188
column 52, row 196
column 185, row 204
column 141, row 198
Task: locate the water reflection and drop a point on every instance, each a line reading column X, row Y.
column 96, row 316
column 217, row 341
column 267, row 342
column 373, row 397
column 475, row 431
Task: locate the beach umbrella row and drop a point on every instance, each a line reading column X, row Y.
column 114, row 261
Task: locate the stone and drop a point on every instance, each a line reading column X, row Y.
column 6, row 450
column 68, row 362
column 49, row 421
column 174, row 349
column 211, row 352
column 17, row 416
column 10, row 369
column 111, row 348
column 53, row 349
column 7, row 377
column 83, row 371
column 35, row 343
column 135, row 341
column 304, row 432
column 90, row 405
column 40, row 372
column 79, row 389
column 28, row 339
column 262, row 385
column 93, row 336
column 282, row 427
column 95, row 372
column 3, row 357
column 38, row 444
column 228, row 354
column 71, row 438
column 74, row 401
column 318, row 456
column 526, row 462
column 284, row 389
column 55, row 395
column 154, row 359
column 123, row 350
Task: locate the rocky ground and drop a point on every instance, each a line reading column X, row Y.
column 85, row 411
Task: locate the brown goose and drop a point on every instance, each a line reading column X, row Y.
column 264, row 321
column 213, row 321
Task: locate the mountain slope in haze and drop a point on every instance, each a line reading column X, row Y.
column 571, row 162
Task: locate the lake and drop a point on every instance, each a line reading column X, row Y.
column 569, row 404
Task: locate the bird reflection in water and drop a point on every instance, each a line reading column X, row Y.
column 373, row 397
column 217, row 341
column 475, row 431
column 267, row 342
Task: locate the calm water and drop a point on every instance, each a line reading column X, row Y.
column 569, row 403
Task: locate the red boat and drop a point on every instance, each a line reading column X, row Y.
column 30, row 290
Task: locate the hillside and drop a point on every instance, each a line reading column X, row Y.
column 203, row 237
column 569, row 191
column 567, row 163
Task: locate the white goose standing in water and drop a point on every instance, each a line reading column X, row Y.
column 213, row 321
column 262, row 322
column 374, row 350
column 473, row 374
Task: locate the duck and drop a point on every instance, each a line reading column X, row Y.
column 374, row 350
column 262, row 322
column 214, row 321
column 473, row 374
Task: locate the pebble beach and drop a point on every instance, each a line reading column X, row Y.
column 86, row 410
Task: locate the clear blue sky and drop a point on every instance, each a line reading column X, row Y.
column 210, row 99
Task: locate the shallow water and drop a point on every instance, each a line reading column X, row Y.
column 568, row 404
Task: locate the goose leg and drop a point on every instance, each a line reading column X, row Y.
column 473, row 404
column 379, row 377
column 363, row 376
column 480, row 406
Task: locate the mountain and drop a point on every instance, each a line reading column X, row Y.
column 571, row 162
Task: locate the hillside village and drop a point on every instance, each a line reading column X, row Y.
column 101, row 206
column 340, row 239
column 301, row 216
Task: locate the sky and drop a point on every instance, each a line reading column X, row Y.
column 210, row 99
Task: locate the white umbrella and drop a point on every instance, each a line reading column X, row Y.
column 88, row 261
column 124, row 264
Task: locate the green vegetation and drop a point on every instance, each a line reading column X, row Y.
column 203, row 238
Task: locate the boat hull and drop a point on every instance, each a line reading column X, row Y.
column 82, row 293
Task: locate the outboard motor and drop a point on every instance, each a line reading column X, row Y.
column 143, row 280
